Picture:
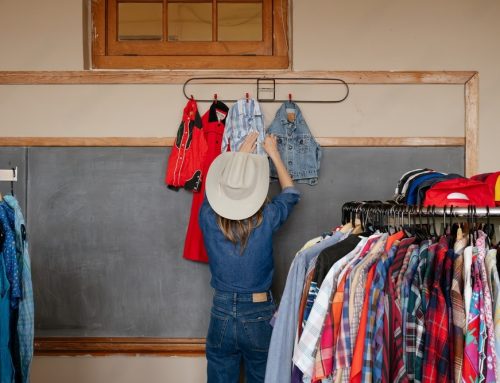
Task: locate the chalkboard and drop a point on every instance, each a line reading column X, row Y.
column 107, row 235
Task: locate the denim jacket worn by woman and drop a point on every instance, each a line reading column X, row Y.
column 298, row 148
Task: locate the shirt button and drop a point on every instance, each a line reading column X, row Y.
column 289, row 162
column 290, row 147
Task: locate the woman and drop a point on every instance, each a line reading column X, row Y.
column 238, row 225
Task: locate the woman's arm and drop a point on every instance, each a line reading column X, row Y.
column 271, row 147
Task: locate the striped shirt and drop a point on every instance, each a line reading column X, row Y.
column 305, row 351
column 244, row 116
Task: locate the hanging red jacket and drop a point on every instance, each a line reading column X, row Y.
column 184, row 167
column 213, row 122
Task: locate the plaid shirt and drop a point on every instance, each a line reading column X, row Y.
column 324, row 358
column 458, row 311
column 495, row 283
column 446, row 280
column 359, row 277
column 245, row 116
column 344, row 348
column 305, row 351
column 471, row 364
column 393, row 366
column 357, row 356
column 428, row 277
column 343, row 351
column 415, row 324
column 405, row 293
column 26, row 315
column 488, row 310
column 437, row 352
column 374, row 315
column 284, row 333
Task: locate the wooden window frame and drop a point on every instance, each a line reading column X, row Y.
column 109, row 53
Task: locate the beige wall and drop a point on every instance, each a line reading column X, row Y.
column 120, row 369
column 327, row 35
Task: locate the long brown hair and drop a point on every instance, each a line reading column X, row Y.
column 238, row 231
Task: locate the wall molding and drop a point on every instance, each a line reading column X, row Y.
column 180, row 76
column 97, row 346
column 169, row 141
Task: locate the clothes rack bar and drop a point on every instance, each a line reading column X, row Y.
column 268, row 84
column 424, row 211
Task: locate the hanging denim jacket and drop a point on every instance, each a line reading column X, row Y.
column 299, row 150
column 26, row 312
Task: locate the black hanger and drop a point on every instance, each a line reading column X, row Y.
column 12, row 182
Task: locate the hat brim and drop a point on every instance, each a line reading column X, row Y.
column 241, row 208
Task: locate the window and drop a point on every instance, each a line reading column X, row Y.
column 190, row 34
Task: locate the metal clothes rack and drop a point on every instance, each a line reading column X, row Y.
column 268, row 84
column 390, row 208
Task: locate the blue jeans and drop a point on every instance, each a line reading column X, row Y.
column 239, row 331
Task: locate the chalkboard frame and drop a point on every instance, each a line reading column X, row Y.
column 195, row 346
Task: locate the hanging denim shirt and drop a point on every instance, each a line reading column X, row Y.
column 26, row 315
column 244, row 117
column 6, row 252
column 10, row 258
column 299, row 150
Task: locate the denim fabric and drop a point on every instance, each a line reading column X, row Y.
column 243, row 117
column 239, row 330
column 10, row 257
column 285, row 328
column 26, row 315
column 6, row 365
column 298, row 148
column 252, row 270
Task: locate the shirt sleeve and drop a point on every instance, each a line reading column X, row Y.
column 204, row 212
column 281, row 206
column 228, row 128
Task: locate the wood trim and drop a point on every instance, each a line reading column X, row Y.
column 472, row 126
column 58, row 346
column 280, row 29
column 168, row 141
column 390, row 141
column 169, row 49
column 107, row 52
column 98, row 10
column 191, row 62
column 179, row 77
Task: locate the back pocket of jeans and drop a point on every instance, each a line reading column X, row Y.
column 216, row 330
column 259, row 331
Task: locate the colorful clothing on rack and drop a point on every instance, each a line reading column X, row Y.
column 397, row 313
column 437, row 353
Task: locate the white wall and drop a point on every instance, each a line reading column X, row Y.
column 327, row 35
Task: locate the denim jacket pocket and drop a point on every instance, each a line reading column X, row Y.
column 304, row 143
column 258, row 330
column 216, row 330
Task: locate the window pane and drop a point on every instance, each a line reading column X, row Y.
column 140, row 21
column 239, row 21
column 190, row 22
